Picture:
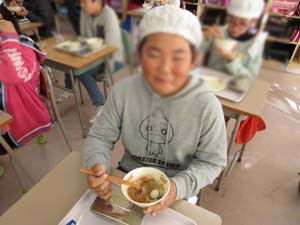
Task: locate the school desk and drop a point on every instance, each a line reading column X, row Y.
column 74, row 65
column 251, row 105
column 50, row 200
column 5, row 120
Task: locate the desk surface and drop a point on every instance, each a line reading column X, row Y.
column 5, row 118
column 253, row 103
column 50, row 200
column 30, row 26
column 72, row 61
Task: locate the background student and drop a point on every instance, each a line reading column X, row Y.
column 97, row 19
column 245, row 58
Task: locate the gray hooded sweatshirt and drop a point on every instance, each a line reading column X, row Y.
column 183, row 135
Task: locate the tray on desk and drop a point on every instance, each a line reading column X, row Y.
column 117, row 211
column 221, row 90
column 83, row 48
column 83, row 213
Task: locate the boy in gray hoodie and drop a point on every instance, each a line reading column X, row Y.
column 98, row 19
column 166, row 118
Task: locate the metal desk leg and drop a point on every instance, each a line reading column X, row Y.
column 234, row 132
column 242, row 153
column 219, row 180
column 232, row 139
column 36, row 32
column 80, row 92
column 107, row 66
column 234, row 159
column 77, row 104
column 199, row 196
column 13, row 163
column 55, row 110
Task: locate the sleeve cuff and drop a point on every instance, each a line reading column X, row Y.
column 9, row 35
column 180, row 187
column 93, row 161
column 9, row 40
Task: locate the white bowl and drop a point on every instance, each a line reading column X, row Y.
column 225, row 44
column 139, row 173
column 94, row 42
column 15, row 9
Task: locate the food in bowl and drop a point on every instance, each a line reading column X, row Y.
column 150, row 190
column 71, row 46
column 216, row 84
column 226, row 45
column 154, row 186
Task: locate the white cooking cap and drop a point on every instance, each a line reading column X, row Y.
column 173, row 20
column 249, row 9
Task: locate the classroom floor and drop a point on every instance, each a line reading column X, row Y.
column 261, row 190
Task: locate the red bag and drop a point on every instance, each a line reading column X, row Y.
column 248, row 129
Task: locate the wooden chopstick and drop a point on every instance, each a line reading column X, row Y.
column 110, row 178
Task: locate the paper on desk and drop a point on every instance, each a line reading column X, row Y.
column 168, row 216
column 81, row 211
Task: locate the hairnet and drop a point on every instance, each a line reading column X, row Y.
column 249, row 9
column 173, row 20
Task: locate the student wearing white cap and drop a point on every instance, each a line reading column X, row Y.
column 166, row 118
column 245, row 58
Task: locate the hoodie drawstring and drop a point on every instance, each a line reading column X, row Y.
column 166, row 149
column 149, row 134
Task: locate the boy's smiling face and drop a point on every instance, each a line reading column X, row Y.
column 238, row 26
column 91, row 7
column 166, row 60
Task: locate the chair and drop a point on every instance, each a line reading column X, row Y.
column 15, row 164
column 104, row 79
column 46, row 90
column 129, row 59
column 128, row 49
column 199, row 198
